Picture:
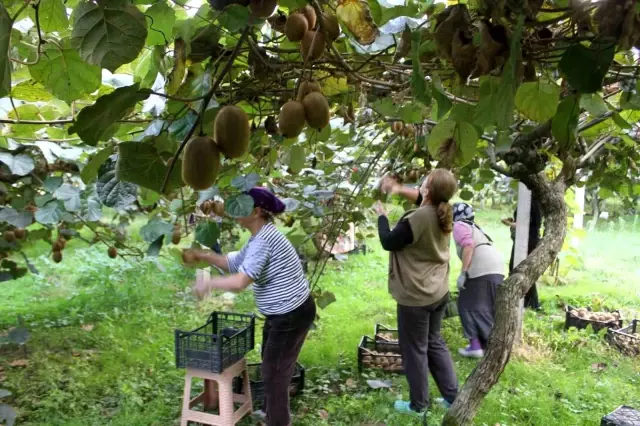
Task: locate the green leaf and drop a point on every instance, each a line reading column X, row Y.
column 412, row 112
column 52, row 183
column 443, row 102
column 70, row 195
column 537, row 101
column 95, row 122
column 239, row 205
column 19, row 219
column 145, row 70
column 50, row 213
column 90, row 171
column 440, row 133
column 207, row 233
column 140, row 163
column 593, row 104
column 234, row 18
column 455, row 140
column 5, row 64
column 94, row 210
column 155, row 229
column 484, row 114
column 245, row 183
column 466, row 194
column 297, row 158
column 20, row 164
column 53, row 16
column 325, row 299
column 108, row 36
column 114, row 193
column 41, row 200
column 621, row 122
column 62, row 72
column 385, row 107
column 207, row 194
column 505, row 96
column 31, row 91
column 161, row 19
column 565, row 123
column 418, row 84
column 292, row 4
column 155, row 247
column 585, row 67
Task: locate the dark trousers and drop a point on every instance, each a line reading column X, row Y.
column 424, row 350
column 282, row 339
column 531, row 298
column 476, row 306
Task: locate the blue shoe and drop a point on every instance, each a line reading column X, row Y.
column 404, row 407
column 443, row 403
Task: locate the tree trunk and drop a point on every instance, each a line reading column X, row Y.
column 488, row 371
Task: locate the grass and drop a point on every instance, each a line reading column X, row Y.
column 101, row 346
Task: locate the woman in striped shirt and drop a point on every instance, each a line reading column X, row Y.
column 282, row 295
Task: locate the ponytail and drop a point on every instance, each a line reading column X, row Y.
column 445, row 217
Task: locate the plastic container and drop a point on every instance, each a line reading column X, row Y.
column 386, row 338
column 626, row 339
column 622, row 416
column 257, row 385
column 383, row 357
column 224, row 340
column 581, row 323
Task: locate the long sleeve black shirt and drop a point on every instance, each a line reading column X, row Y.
column 400, row 236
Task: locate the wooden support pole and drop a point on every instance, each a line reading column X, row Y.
column 522, row 243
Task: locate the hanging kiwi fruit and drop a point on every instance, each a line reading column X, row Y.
column 57, row 246
column 175, row 237
column 296, row 27
column 188, row 257
column 331, row 25
column 218, row 208
column 19, row 233
column 312, row 45
column 231, row 131
column 112, row 252
column 262, row 8
column 310, row 13
column 397, row 127
column 291, row 119
column 200, row 163
column 316, row 110
column 307, row 87
column 9, row 236
column 56, row 256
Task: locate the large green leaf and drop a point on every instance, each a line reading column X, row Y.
column 565, row 123
column 140, row 163
column 64, row 73
column 593, row 104
column 161, row 19
column 90, row 171
column 297, row 157
column 50, row 213
column 537, row 101
column 19, row 219
column 585, row 67
column 505, row 96
column 5, row 65
column 154, row 229
column 234, row 18
column 239, row 205
column 207, row 233
column 53, row 16
column 418, row 83
column 114, row 193
column 70, row 195
column 20, row 164
column 95, row 122
column 453, row 141
column 441, row 132
column 109, row 35
column 31, row 91
column 443, row 103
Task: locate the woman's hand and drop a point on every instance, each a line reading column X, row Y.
column 201, row 287
column 507, row 221
column 380, row 210
column 389, row 185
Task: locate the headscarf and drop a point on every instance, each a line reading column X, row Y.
column 266, row 200
column 463, row 211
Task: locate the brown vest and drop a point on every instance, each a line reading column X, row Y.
column 419, row 273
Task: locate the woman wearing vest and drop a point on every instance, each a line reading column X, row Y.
column 482, row 272
column 282, row 294
column 419, row 282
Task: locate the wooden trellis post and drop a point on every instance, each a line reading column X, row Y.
column 522, row 243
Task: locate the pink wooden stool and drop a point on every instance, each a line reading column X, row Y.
column 218, row 393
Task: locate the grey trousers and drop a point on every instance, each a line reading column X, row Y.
column 476, row 306
column 423, row 351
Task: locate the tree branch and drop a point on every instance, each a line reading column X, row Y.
column 66, row 121
column 205, row 102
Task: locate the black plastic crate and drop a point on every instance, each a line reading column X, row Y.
column 582, row 323
column 379, row 356
column 451, row 311
column 386, row 338
column 626, row 339
column 220, row 343
column 257, row 385
column 622, row 416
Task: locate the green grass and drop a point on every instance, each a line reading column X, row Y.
column 101, row 349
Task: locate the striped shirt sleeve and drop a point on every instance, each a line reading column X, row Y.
column 235, row 259
column 255, row 259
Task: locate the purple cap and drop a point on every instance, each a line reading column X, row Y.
column 266, row 200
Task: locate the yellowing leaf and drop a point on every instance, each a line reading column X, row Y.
column 356, row 16
column 537, row 101
column 334, row 86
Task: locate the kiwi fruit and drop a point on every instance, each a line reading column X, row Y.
column 206, row 207
column 200, row 163
column 296, row 27
column 312, row 45
column 9, row 236
column 175, row 237
column 19, row 233
column 262, row 8
column 291, row 119
column 112, row 252
column 57, row 246
column 188, row 257
column 231, row 131
column 397, row 127
column 62, row 242
column 57, row 256
column 316, row 110
column 331, row 25
column 218, row 208
column 310, row 13
column 307, row 87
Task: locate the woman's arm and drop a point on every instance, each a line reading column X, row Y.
column 391, row 186
column 235, row 283
column 463, row 236
column 396, row 239
column 467, row 256
column 214, row 259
